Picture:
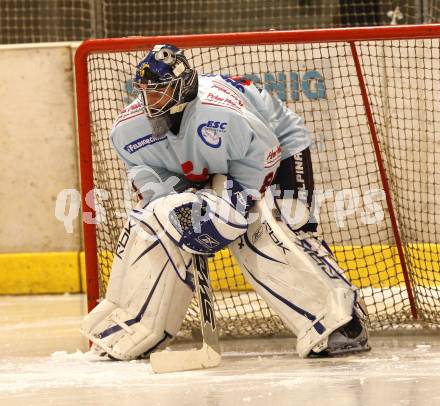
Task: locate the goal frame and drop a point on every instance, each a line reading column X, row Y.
column 342, row 35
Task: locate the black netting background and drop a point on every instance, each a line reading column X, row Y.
column 24, row 21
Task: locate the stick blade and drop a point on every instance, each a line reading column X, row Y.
column 174, row 361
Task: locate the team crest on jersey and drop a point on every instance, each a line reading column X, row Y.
column 211, row 133
column 142, row 142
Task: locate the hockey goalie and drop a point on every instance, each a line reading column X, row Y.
column 218, row 162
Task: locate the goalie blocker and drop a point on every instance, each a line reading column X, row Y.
column 151, row 284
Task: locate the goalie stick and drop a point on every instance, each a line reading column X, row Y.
column 209, row 355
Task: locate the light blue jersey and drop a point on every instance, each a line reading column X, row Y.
column 230, row 128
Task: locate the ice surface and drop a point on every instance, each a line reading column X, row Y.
column 45, row 361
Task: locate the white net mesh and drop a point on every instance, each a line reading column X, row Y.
column 319, row 82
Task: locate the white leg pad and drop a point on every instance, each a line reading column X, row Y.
column 149, row 292
column 298, row 279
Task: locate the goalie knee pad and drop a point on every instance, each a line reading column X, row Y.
column 149, row 292
column 298, row 278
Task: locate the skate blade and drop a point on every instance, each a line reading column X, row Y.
column 340, row 352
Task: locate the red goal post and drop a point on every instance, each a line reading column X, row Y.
column 370, row 99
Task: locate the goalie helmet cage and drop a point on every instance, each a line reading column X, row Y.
column 371, row 100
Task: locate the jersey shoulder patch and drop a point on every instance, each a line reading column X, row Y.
column 132, row 110
column 217, row 91
column 131, row 131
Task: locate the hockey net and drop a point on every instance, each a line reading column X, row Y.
column 371, row 100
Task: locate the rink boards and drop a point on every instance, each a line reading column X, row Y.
column 64, row 272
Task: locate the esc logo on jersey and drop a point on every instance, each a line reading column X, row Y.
column 211, row 132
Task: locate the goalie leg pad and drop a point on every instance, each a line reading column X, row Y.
column 298, row 278
column 149, row 292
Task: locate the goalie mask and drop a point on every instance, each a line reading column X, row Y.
column 166, row 83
